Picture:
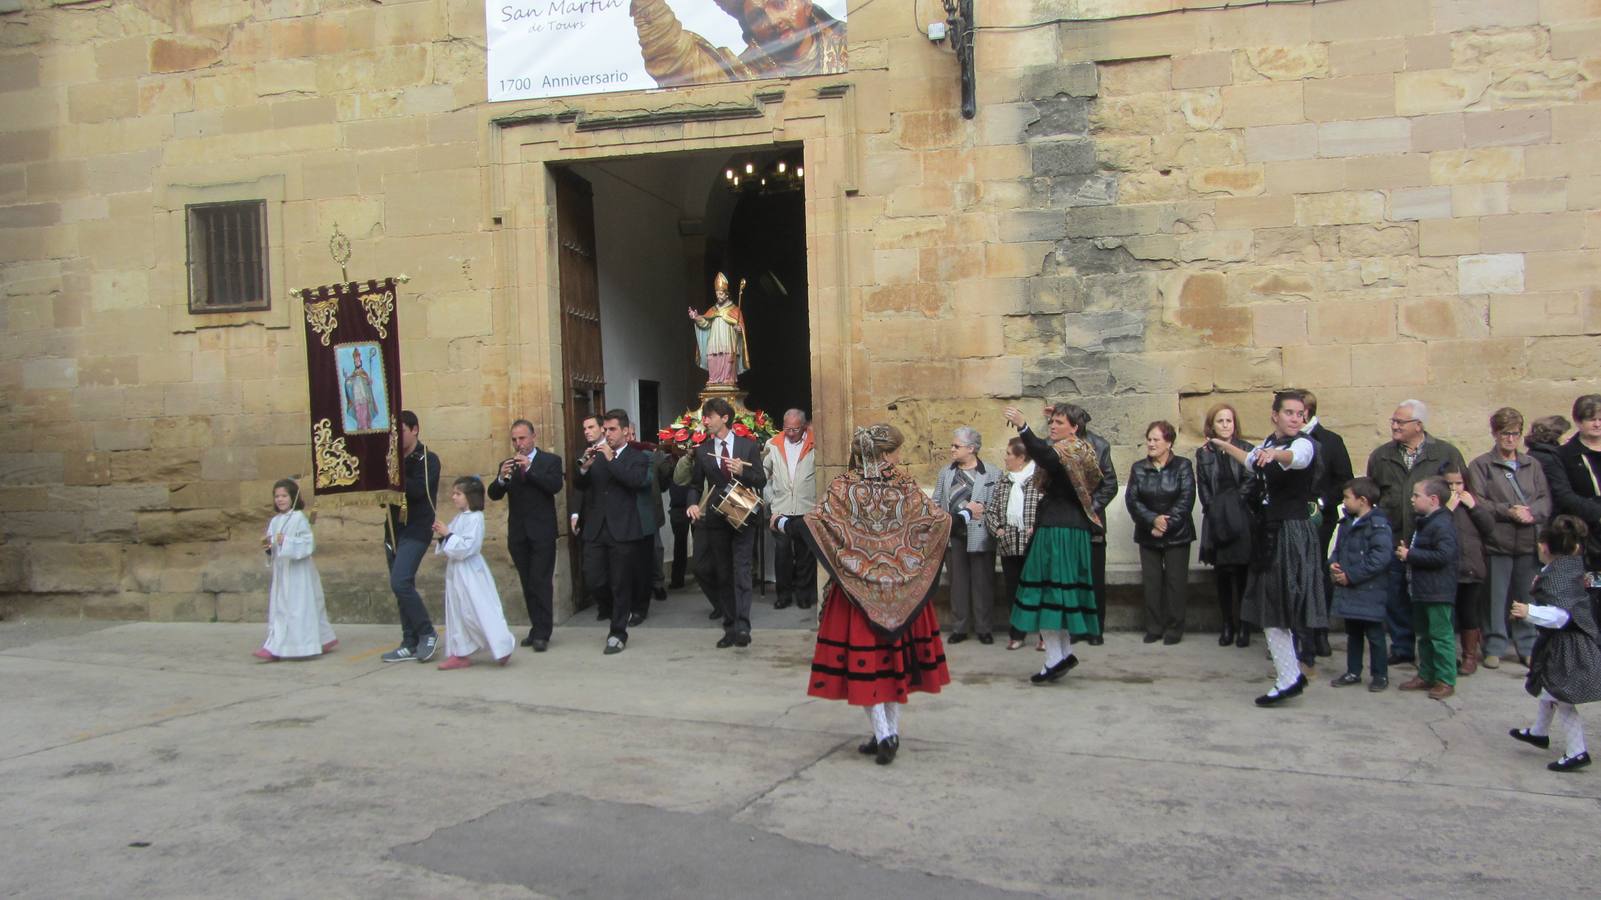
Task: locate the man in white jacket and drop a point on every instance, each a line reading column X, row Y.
column 792, row 491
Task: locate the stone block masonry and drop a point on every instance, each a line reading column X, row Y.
column 1376, row 199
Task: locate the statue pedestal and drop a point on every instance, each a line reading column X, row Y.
column 729, row 392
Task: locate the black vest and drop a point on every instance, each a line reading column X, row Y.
column 1286, row 493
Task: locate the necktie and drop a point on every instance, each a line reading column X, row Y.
column 723, row 453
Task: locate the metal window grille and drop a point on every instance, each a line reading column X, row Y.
column 228, row 256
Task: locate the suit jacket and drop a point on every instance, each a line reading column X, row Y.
column 532, row 498
column 1334, row 475
column 616, row 485
column 707, row 473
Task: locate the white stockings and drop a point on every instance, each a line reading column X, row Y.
column 886, row 719
column 1281, row 644
column 1567, row 721
column 1058, row 646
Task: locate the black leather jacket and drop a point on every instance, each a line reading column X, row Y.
column 1168, row 491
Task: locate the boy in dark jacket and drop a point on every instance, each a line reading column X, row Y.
column 1358, row 566
column 1431, row 561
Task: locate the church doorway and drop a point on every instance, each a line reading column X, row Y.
column 664, row 226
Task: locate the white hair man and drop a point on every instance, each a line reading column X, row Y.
column 791, row 463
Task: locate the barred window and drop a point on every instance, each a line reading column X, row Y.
column 228, row 256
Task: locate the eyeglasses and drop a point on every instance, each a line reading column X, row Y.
column 1404, row 421
column 1510, row 434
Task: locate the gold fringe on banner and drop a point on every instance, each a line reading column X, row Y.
column 365, row 498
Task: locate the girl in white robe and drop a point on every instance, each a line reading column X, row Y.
column 474, row 619
column 297, row 616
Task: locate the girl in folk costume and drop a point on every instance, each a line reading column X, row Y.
column 297, row 617
column 1055, row 594
column 1566, row 667
column 1284, row 589
column 881, row 539
column 474, row 619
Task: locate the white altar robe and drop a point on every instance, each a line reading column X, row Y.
column 474, row 619
column 297, row 615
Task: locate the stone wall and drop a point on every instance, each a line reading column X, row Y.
column 1377, row 199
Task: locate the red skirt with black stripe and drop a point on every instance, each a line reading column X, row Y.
column 856, row 664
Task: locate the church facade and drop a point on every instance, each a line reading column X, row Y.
column 1153, row 208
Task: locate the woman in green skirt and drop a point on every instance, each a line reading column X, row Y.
column 1055, row 594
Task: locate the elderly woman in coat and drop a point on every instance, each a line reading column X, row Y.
column 1160, row 497
column 1513, row 501
column 965, row 486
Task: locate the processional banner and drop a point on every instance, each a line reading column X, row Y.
column 557, row 48
column 353, row 370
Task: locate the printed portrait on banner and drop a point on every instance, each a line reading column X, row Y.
column 555, row 48
column 364, row 394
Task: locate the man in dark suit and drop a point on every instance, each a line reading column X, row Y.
column 531, row 479
column 721, row 460
column 614, row 537
column 587, row 590
column 1333, row 472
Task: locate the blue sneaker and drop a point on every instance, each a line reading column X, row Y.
column 399, row 654
column 426, row 645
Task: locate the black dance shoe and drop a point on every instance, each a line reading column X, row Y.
column 635, row 619
column 1054, row 673
column 781, row 603
column 528, row 641
column 1276, row 696
column 742, row 639
column 888, row 746
column 986, row 639
column 1227, row 637
column 869, row 748
column 726, row 641
column 1243, row 638
column 715, row 614
column 1543, row 741
column 1565, row 764
column 1152, row 638
column 956, row 638
column 1095, row 640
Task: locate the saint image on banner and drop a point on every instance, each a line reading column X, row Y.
column 783, row 38
column 720, row 343
column 363, row 395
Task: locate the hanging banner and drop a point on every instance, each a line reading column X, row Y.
column 557, row 48
column 353, row 370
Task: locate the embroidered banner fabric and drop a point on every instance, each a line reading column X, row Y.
column 353, row 371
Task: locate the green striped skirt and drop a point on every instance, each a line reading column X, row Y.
column 1055, row 592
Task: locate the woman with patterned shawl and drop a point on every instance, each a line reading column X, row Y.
column 1055, row 594
column 882, row 541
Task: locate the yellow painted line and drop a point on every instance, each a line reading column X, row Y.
column 363, row 657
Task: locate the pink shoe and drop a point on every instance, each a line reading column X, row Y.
column 504, row 659
column 264, row 656
column 454, row 662
column 329, row 647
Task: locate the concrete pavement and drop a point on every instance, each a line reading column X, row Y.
column 162, row 760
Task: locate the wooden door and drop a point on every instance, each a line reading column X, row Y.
column 583, row 374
